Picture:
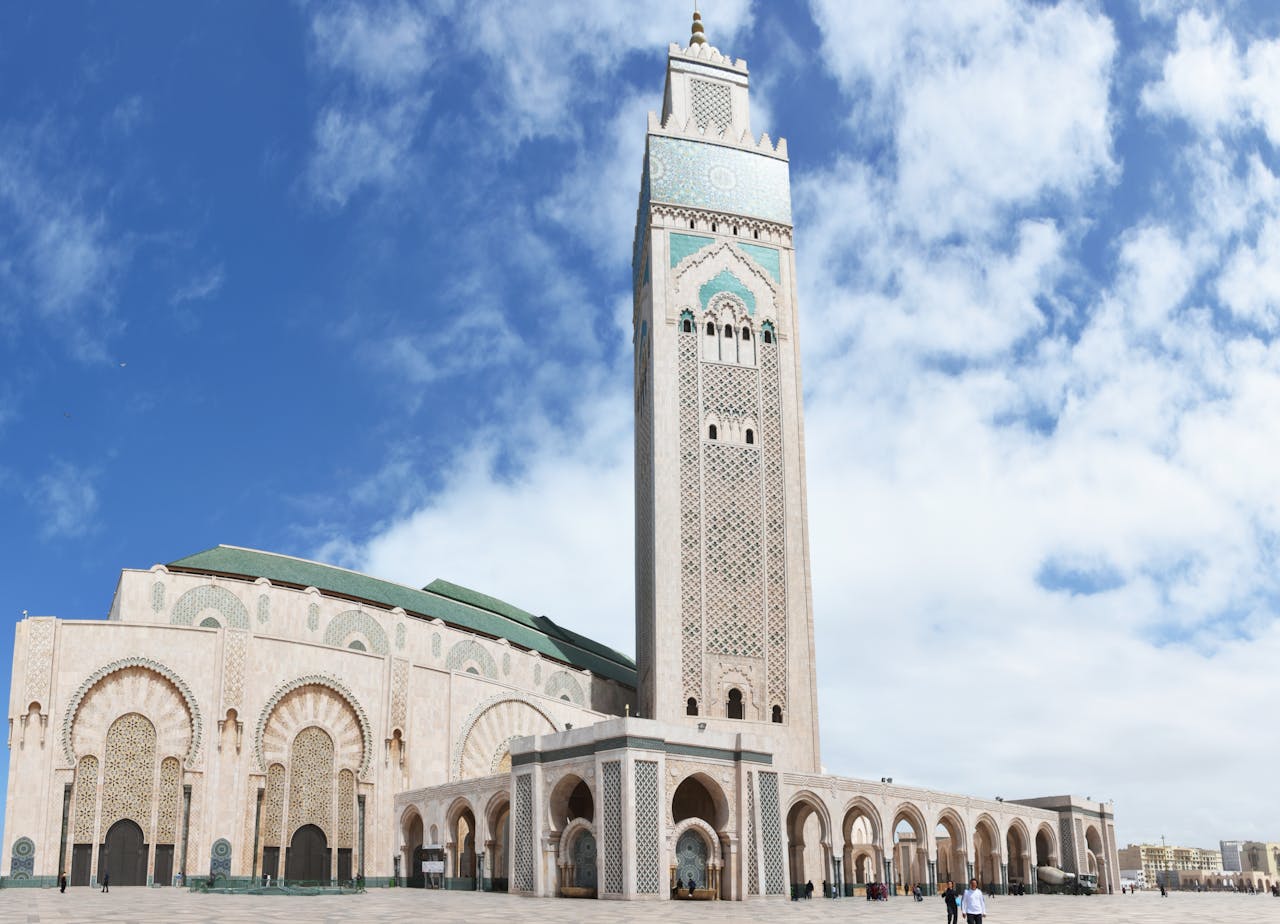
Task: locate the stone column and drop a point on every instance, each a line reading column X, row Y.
column 932, row 884
column 888, row 875
column 1004, row 877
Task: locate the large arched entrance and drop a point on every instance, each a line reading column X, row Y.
column 497, row 848
column 951, row 849
column 910, row 851
column 1046, row 849
column 463, row 845
column 862, row 861
column 701, row 807
column 986, row 854
column 691, row 859
column 1097, row 856
column 1018, row 853
column 413, row 853
column 124, row 855
column 308, row 856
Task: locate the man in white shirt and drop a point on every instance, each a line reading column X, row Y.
column 974, row 904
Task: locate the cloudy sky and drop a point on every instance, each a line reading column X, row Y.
column 351, row 282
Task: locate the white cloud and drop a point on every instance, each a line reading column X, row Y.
column 201, row 286
column 65, row 501
column 357, row 149
column 388, row 46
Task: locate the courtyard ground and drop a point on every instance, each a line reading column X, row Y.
column 174, row 906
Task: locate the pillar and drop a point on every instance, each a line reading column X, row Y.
column 888, row 875
column 932, row 884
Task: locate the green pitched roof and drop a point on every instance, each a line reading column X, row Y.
column 458, row 606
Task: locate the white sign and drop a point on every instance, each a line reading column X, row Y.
column 433, row 866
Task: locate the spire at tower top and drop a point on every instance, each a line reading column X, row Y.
column 697, row 37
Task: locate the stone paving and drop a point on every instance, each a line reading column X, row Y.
column 173, row 906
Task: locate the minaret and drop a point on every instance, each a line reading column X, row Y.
column 724, row 624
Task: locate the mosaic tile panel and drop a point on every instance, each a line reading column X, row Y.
column 647, row 846
column 775, row 527
column 771, row 828
column 725, row 281
column 611, row 791
column 220, row 858
column 522, row 835
column 769, row 258
column 684, row 245
column 342, row 626
column 718, row 178
column 22, row 863
column 210, row 597
column 690, row 520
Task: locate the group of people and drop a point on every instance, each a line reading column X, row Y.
column 972, row 903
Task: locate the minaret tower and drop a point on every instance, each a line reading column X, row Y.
column 724, row 623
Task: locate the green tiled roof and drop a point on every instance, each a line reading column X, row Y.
column 458, row 606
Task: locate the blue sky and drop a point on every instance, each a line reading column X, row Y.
column 350, row 282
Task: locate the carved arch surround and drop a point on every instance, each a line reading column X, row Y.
column 697, row 269
column 336, row 687
column 714, row 857
column 488, row 726
column 203, row 597
column 569, row 835
column 195, row 720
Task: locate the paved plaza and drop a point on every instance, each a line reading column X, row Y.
column 172, row 906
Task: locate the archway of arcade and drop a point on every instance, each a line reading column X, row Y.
column 910, row 848
column 949, row 839
column 1098, row 864
column 986, row 854
column 497, row 852
column 1046, row 847
column 862, row 861
column 462, row 842
column 412, row 853
column 1018, row 853
column 572, row 821
column 808, row 844
column 699, row 856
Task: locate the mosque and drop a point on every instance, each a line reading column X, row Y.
column 243, row 714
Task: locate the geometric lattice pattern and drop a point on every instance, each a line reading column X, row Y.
column 648, row 877
column 734, row 588
column 273, row 806
column 468, row 653
column 129, row 771
column 775, row 525
column 611, row 779
column 210, row 597
column 23, row 862
column 1068, row 858
column 356, row 622
column 220, row 858
column 771, row 825
column 522, row 835
column 712, row 104
column 346, row 808
column 86, row 793
column 753, row 860
column 690, row 521
column 683, row 171
column 311, row 781
column 170, row 797
column 563, row 685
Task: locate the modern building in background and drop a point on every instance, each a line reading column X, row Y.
column 243, row 714
column 1237, row 865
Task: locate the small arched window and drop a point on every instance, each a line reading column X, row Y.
column 691, row 708
column 735, row 230
column 751, row 437
column 746, row 333
column 768, row 336
column 711, row 431
column 713, row 227
column 777, row 715
column 734, row 707
column 210, row 623
column 686, row 326
column 756, row 234
column 728, row 331
column 692, row 224
column 357, row 645
column 711, row 329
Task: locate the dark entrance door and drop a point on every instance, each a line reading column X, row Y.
column 81, row 863
column 124, row 855
column 308, row 856
column 271, row 862
column 164, row 865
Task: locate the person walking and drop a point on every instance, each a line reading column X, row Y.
column 62, row 883
column 973, row 903
column 106, row 882
column 949, row 898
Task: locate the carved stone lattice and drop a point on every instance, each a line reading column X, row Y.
column 734, row 598
column 311, row 781
column 157, row 596
column 346, row 809
column 399, row 692
column 313, row 616
column 400, row 634
column 86, row 793
column 251, row 817
column 210, row 597
column 435, row 644
column 771, row 826
column 233, row 669
column 690, row 521
column 644, row 501
column 775, row 527
column 522, row 835
column 169, row 801
column 273, row 806
column 468, row 653
column 712, row 105
column 264, row 609
column 611, row 790
column 129, row 771
column 648, row 873
column 344, row 626
column 563, row 685
column 39, row 661
column 753, row 861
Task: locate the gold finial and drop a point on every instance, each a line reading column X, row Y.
column 697, row 38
